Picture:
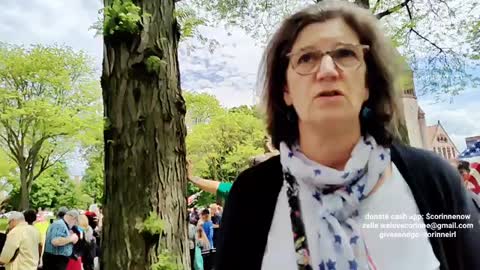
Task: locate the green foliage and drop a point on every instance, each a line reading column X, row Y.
column 7, row 175
column 152, row 225
column 166, row 262
column 154, row 64
column 73, row 197
column 7, row 166
column 53, row 189
column 122, row 16
column 201, row 108
column 92, row 182
column 248, row 110
column 474, row 39
column 220, row 142
column 223, row 146
column 48, row 188
column 188, row 20
column 3, row 224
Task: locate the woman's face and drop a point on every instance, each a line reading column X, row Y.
column 331, row 94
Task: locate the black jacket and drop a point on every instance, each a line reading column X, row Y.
column 436, row 186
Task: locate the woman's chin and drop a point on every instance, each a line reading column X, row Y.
column 333, row 116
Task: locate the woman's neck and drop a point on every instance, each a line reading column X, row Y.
column 332, row 150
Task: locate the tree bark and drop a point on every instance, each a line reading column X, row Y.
column 145, row 164
column 24, row 190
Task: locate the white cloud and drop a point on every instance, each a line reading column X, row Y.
column 231, row 68
column 52, row 21
column 460, row 118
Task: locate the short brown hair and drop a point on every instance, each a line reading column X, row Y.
column 282, row 121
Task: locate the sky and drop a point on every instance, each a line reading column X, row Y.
column 229, row 72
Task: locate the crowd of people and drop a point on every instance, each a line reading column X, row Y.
column 470, row 173
column 203, row 231
column 71, row 240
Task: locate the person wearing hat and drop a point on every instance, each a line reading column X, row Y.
column 59, row 242
column 23, row 247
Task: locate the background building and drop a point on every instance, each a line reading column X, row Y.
column 434, row 138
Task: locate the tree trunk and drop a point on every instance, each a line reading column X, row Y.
column 145, row 165
column 24, row 190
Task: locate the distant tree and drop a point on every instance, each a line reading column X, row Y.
column 47, row 95
column 222, row 148
column 92, row 182
column 201, row 108
column 53, row 189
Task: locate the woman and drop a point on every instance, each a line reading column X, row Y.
column 329, row 91
column 87, row 246
column 75, row 261
column 191, row 241
column 203, row 243
column 201, row 238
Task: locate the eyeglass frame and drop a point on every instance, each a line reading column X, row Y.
column 315, row 69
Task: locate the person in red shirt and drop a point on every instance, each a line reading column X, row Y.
column 470, row 174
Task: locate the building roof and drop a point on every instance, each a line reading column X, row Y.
column 432, row 132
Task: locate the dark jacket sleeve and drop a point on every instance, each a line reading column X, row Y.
column 463, row 245
column 442, row 199
column 247, row 218
column 467, row 237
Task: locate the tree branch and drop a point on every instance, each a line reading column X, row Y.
column 427, row 40
column 418, row 34
column 12, row 136
column 13, row 152
column 375, row 7
column 32, row 153
column 45, row 163
column 391, row 10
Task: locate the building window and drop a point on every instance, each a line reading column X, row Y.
column 444, row 152
column 442, row 139
column 449, row 152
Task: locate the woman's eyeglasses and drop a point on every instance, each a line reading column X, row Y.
column 345, row 56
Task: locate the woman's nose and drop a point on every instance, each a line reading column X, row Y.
column 327, row 68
